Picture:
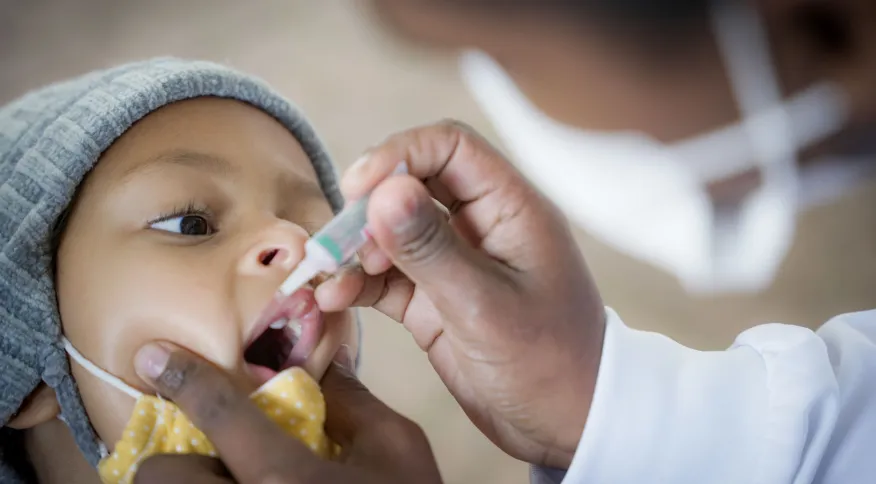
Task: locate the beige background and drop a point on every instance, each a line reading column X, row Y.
column 358, row 85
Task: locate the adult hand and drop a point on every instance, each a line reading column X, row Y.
column 379, row 445
column 498, row 295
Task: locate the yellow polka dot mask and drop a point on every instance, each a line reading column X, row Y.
column 292, row 400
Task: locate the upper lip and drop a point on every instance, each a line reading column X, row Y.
column 290, row 308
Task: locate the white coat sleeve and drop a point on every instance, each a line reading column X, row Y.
column 782, row 405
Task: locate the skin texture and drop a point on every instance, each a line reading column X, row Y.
column 122, row 281
column 379, row 445
column 519, row 347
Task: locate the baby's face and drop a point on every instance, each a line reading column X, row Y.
column 182, row 233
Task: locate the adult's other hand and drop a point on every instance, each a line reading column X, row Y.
column 379, row 445
column 497, row 293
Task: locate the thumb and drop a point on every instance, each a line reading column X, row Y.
column 417, row 236
column 370, row 433
column 351, row 409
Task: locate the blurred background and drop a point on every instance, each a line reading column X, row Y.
column 358, row 84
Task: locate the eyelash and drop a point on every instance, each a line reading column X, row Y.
column 195, row 208
column 190, row 208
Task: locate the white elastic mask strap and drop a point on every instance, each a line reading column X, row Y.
column 100, row 372
column 104, row 451
column 743, row 43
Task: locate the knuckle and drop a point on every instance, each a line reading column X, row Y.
column 178, row 375
column 371, row 292
column 402, row 431
column 338, row 380
column 428, row 240
column 215, row 404
column 518, row 198
column 202, row 391
column 405, row 437
column 382, row 290
column 456, row 125
column 464, row 134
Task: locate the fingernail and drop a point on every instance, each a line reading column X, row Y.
column 357, row 165
column 375, row 260
column 400, row 169
column 344, row 358
column 409, row 219
column 151, row 361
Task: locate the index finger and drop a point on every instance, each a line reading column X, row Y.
column 465, row 164
column 250, row 445
column 369, row 431
column 181, row 469
column 493, row 204
column 351, row 408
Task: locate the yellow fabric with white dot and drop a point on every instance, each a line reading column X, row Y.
column 292, row 399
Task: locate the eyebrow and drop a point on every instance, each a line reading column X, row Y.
column 190, row 159
column 304, row 188
column 221, row 166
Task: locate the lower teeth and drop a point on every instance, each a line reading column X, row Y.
column 294, row 326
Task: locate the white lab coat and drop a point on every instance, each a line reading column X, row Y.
column 782, row 405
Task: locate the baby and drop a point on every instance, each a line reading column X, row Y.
column 162, row 200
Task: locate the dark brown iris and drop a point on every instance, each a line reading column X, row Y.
column 194, row 225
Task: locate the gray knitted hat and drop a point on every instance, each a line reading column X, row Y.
column 49, row 140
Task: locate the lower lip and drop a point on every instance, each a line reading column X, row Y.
column 311, row 333
column 260, row 374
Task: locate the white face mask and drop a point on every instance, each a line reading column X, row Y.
column 648, row 199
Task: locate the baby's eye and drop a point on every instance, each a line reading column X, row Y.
column 193, row 225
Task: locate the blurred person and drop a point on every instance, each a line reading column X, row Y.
column 692, row 138
column 689, row 134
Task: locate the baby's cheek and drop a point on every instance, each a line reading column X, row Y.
column 108, row 409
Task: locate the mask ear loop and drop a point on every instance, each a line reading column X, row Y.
column 766, row 129
column 743, row 44
column 99, row 372
column 772, row 129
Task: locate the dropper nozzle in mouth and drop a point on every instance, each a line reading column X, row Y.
column 334, row 244
column 301, row 275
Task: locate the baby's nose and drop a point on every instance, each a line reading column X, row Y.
column 276, row 255
column 278, row 251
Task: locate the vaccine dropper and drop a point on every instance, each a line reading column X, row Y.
column 332, row 246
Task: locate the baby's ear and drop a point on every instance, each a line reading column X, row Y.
column 40, row 407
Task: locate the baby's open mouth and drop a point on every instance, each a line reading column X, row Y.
column 285, row 336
